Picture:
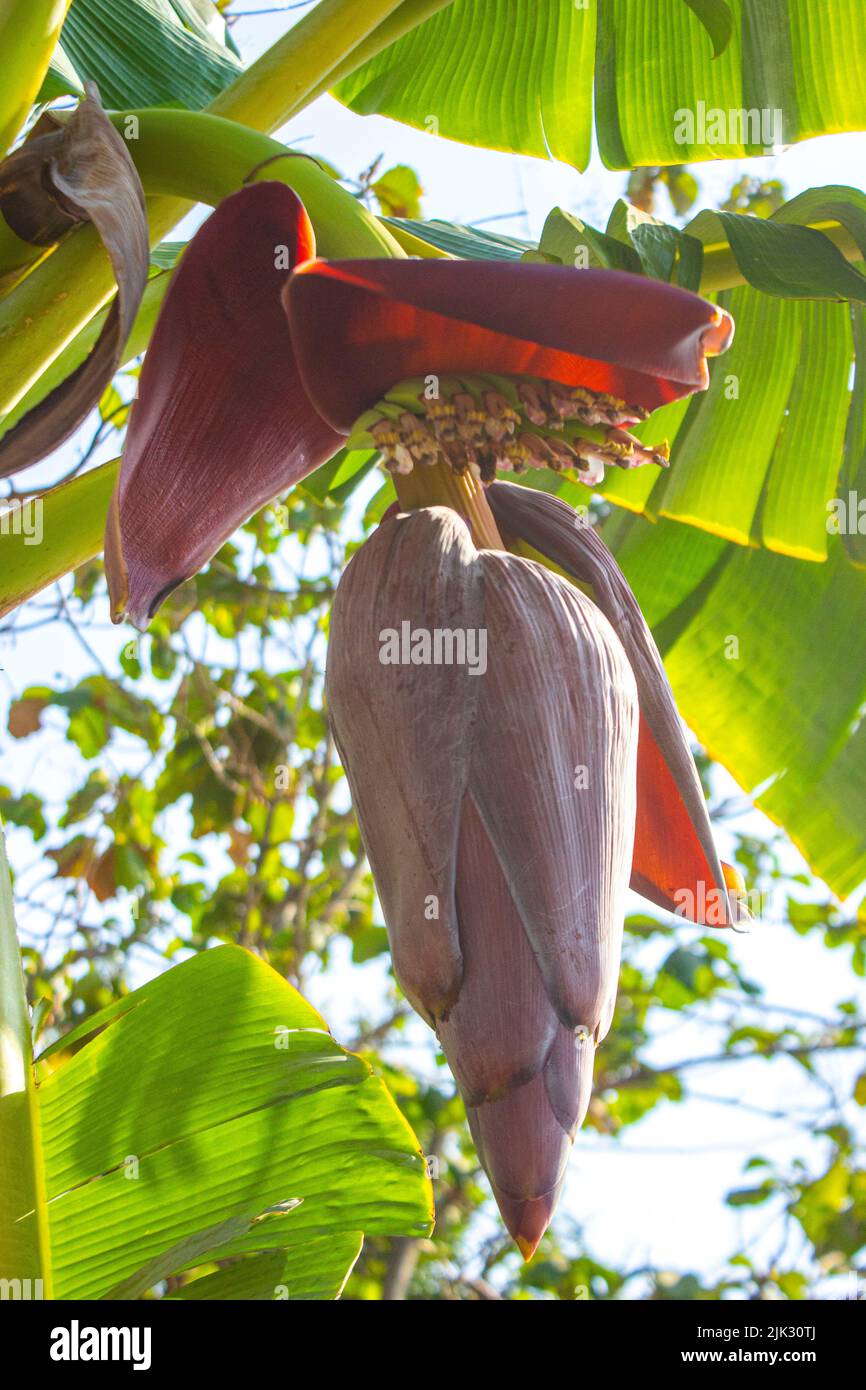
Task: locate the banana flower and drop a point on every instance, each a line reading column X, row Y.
column 505, row 806
column 505, row 810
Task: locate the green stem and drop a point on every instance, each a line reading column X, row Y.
column 72, row 525
column 23, row 1242
column 44, row 311
column 29, row 30
column 75, row 351
column 282, row 80
column 15, row 253
column 437, row 485
column 204, row 157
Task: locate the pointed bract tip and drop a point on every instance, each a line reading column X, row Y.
column 527, row 1219
column 719, row 336
column 741, row 914
column 733, row 878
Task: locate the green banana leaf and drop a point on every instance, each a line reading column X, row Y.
column 767, row 661
column 468, row 243
column 763, row 456
column 522, row 75
column 210, row 1115
column 143, row 53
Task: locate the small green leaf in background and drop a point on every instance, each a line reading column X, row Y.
column 761, row 197
column 832, row 1209
column 341, row 474
column 398, row 192
column 681, row 185
column 569, row 240
column 25, row 810
column 750, row 1196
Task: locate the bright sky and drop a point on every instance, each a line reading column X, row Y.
column 656, row 1195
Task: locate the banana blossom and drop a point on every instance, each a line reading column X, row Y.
column 505, row 811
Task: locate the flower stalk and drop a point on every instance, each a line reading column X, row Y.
column 285, row 78
column 437, row 485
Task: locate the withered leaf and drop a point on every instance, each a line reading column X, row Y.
column 80, row 172
column 25, row 716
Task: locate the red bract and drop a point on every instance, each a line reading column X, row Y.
column 233, row 401
column 632, row 337
column 676, row 864
column 505, row 808
column 222, row 423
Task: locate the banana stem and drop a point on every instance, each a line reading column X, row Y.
column 29, row 30
column 197, row 155
column 72, row 528
column 76, row 351
column 437, row 485
column 282, row 80
column 15, row 254
column 46, row 309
